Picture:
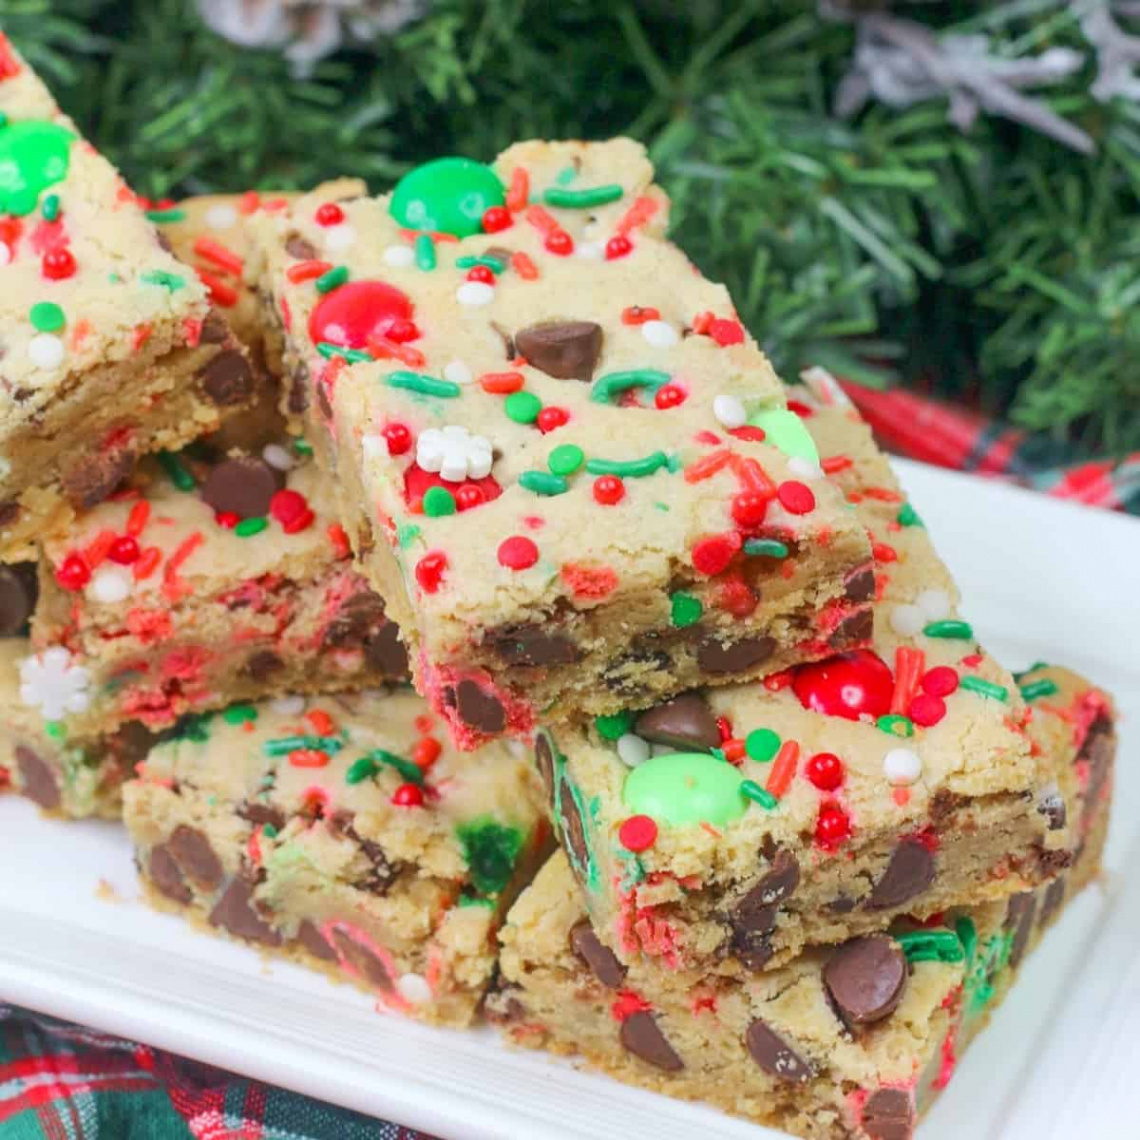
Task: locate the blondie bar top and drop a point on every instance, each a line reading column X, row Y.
column 740, row 824
column 210, row 578
column 348, row 833
column 110, row 345
column 536, row 411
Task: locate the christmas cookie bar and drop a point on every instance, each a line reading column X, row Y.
column 538, row 417
column 736, row 825
column 207, row 579
column 111, row 347
column 346, row 833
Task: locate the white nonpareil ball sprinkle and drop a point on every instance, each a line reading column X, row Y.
column 109, row 585
column 45, row 350
column 414, row 989
column 907, row 620
column 902, row 767
column 399, row 256
column 221, row 217
column 590, row 250
column 278, row 457
column 457, row 372
column 660, row 334
column 340, row 237
column 935, row 604
column 632, row 749
column 729, row 411
column 475, row 293
column 292, row 705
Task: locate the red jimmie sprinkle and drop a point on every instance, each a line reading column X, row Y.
column 430, row 570
column 712, row 555
column 517, row 552
column 426, row 752
column 638, row 833
column 639, row 314
column 308, row 758
column 795, row 497
column 222, row 256
column 339, row 540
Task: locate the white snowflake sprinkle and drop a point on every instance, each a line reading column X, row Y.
column 475, row 293
column 110, row 585
column 632, row 749
column 455, row 453
column 399, row 256
column 340, row 237
column 907, row 620
column 52, row 684
column 729, row 411
column 45, row 350
column 457, row 372
column 660, row 334
column 902, row 767
column 278, row 457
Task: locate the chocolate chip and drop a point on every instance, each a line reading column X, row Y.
column 314, row 941
column 908, row 874
column 627, row 672
column 715, row 657
column 544, row 760
column 774, row 1055
column 18, row 592
column 362, row 960
column 859, row 585
column 502, row 1006
column 574, row 830
column 500, row 253
column 566, row 350
column 215, row 330
column 756, row 911
column 37, row 781
column 686, row 722
column 242, row 486
column 9, row 511
column 753, row 945
column 235, row 912
column 263, row 664
column 600, row 958
column 479, row 710
column 195, row 856
column 261, row 815
column 945, row 804
column 1097, row 751
column 383, row 872
column 530, row 644
column 1019, row 919
column 866, row 978
column 1051, row 903
column 166, row 876
column 841, row 904
column 227, row 378
column 96, row 476
column 854, row 629
column 299, row 390
column 356, row 617
column 385, row 652
column 888, row 1115
column 300, row 248
column 641, row 1036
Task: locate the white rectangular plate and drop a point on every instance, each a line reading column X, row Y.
column 1041, row 579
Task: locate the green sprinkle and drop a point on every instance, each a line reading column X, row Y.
column 408, row 771
column 967, row 935
column 438, row 501
column 488, row 262
column 239, row 714
column 908, row 516
column 630, row 469
column 174, row 214
column 56, row 729
column 544, row 483
column 476, row 900
column 758, row 795
column 582, row 199
column 1035, row 689
column 302, row 447
column 614, row 725
column 172, row 282
column 332, row 279
column 522, row 407
column 269, row 831
column 566, row 175
column 176, row 472
column 50, row 207
column 247, row 528
column 283, row 745
column 565, row 459
column 424, row 385
column 491, row 850
column 614, row 383
column 684, row 609
column 352, row 355
column 425, row 253
column 46, row 316
column 895, row 725
column 765, row 548
column 984, row 688
column 406, row 534
column 931, row 946
column 360, row 770
column 955, row 630
column 762, row 744
column 3, row 119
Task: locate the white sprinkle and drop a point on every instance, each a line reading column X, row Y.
column 729, row 411
column 902, row 767
column 632, row 749
column 457, row 372
column 907, row 620
column 340, row 237
column 109, row 585
column 45, row 350
column 935, row 604
column 804, row 468
column 374, row 447
column 5, row 253
column 591, row 231
column 221, row 217
column 475, row 293
column 660, row 334
column 414, row 989
column 399, row 256
column 277, row 456
column 292, row 705
column 590, row 250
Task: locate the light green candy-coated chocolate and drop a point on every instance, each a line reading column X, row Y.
column 785, row 431
column 33, row 156
column 685, row 787
column 448, row 195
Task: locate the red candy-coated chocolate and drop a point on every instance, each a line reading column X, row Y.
column 940, row 681
column 608, row 489
column 228, row 519
column 358, row 310
column 849, row 685
column 638, row 833
column 398, row 438
column 517, row 552
column 286, row 505
column 749, row 509
column 408, row 795
column 669, row 396
column 795, row 497
column 430, row 570
column 712, row 555
column 329, row 214
column 618, row 246
column 58, row 264
column 832, row 827
column 496, row 218
column 73, row 573
column 468, row 496
column 726, row 332
column 559, row 242
column 825, row 771
column 124, row 551
column 926, row 710
column 736, row 597
column 551, row 418
column 481, row 273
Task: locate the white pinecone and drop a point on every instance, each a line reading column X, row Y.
column 307, row 30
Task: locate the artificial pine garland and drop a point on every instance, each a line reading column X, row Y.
column 972, row 232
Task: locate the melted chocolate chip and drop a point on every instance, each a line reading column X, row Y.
column 9, row 511
column 774, row 1055
column 227, row 378
column 531, row 644
column 382, row 874
column 753, row 947
column 96, row 476
column 574, row 831
column 1051, row 903
column 544, row 760
column 242, row 486
column 859, row 585
column 357, row 616
column 314, row 941
column 756, row 911
column 600, row 958
column 715, row 657
column 908, row 874
column 854, row 629
column 299, row 390
column 362, row 960
column 18, row 592
column 866, row 978
column 945, row 804
column 685, row 723
column 1019, row 918
column 263, row 664
column 641, row 1036
column 215, row 330
column 262, row 815
column 888, row 1115
column 479, row 710
column 1097, row 751
column 300, row 248
column 235, row 912
column 166, row 876
column 37, row 781
column 385, row 652
column 195, row 856
column 567, row 350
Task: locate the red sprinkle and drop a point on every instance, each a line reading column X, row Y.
column 124, row 551
column 58, row 264
column 401, row 330
column 884, row 553
column 608, row 490
column 926, row 710
column 308, row 758
column 430, row 570
column 835, row 463
column 223, row 257
column 795, row 497
column 669, row 396
column 638, row 833
column 73, row 573
column 749, row 433
column 559, row 242
column 339, row 539
column 329, row 214
column 426, row 752
column 724, row 727
column 825, row 771
column 734, row 751
column 524, row 267
column 712, row 555
column 832, row 827
column 551, row 418
column 220, row 292
column 518, row 191
column 749, row 509
column 783, row 769
column 495, row 219
column 801, row 409
column 940, row 681
column 137, row 519
column 408, row 795
column 398, row 438
column 147, row 563
column 228, row 519
column 726, row 332
column 639, row 314
column 517, row 552
column 468, row 496
column 618, row 246
column 481, row 273
column 307, row 270
column 501, row 383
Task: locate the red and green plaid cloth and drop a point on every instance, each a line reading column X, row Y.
column 60, row 1082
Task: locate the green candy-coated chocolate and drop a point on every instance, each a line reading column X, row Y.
column 448, row 195
column 684, row 609
column 613, row 725
column 33, row 156
column 785, row 431
column 762, row 744
column 522, row 407
column 46, row 316
column 565, row 459
column 685, row 788
column 438, row 501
